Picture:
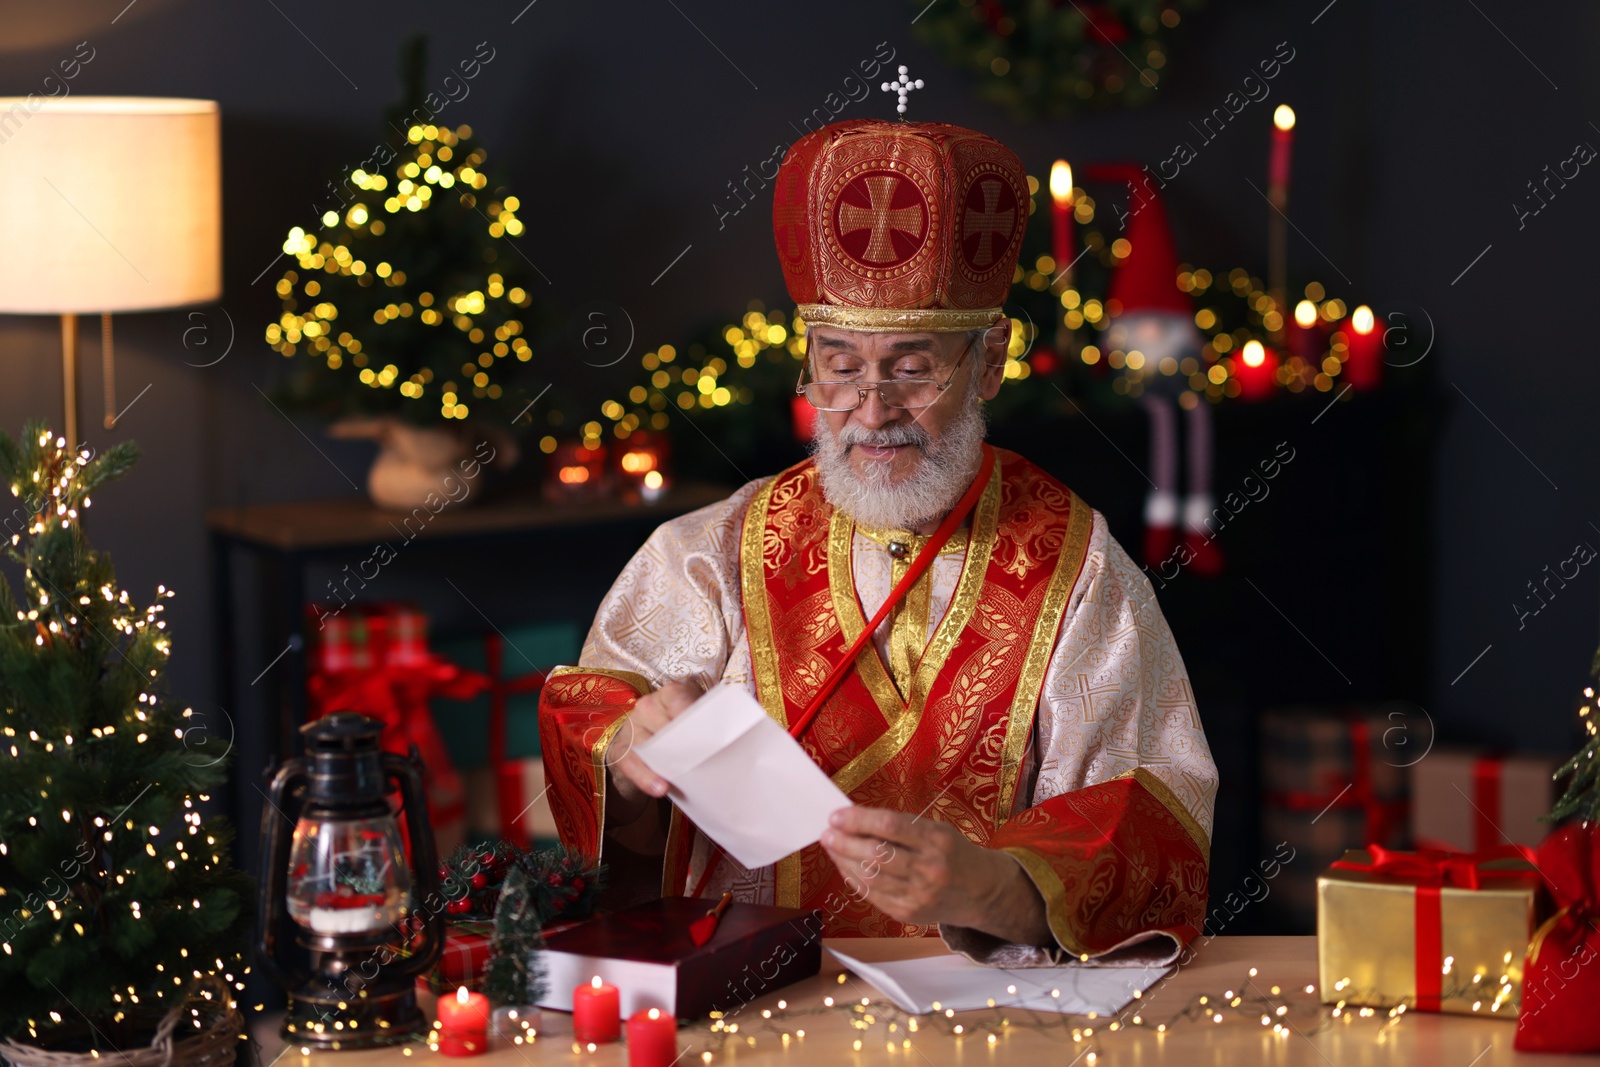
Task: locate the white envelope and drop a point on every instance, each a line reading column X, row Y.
column 956, row 982
column 744, row 781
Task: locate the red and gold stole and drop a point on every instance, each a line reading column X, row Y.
column 953, row 747
column 1112, row 860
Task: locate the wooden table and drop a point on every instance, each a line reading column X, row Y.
column 1313, row 1036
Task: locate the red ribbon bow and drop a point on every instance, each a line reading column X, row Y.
column 1430, row 871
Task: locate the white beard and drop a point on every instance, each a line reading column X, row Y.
column 932, row 489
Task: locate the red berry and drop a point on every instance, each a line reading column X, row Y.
column 459, row 907
column 480, row 880
column 577, row 885
column 556, row 879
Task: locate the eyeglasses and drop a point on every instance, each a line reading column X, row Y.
column 911, row 394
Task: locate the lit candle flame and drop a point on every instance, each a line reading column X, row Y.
column 595, row 982
column 461, row 995
column 1362, row 319
column 1061, row 182
column 1305, row 314
column 1254, row 354
column 1283, row 118
column 655, row 1013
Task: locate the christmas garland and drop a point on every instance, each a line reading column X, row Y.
column 562, row 883
column 1049, row 58
column 512, row 894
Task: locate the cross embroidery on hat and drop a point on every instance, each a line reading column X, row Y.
column 882, row 219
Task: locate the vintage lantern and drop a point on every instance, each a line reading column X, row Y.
column 346, row 925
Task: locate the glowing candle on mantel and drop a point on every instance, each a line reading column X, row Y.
column 596, row 1013
column 464, row 1023
column 1061, row 201
column 1306, row 339
column 1282, row 147
column 1363, row 361
column 652, row 1039
column 1256, row 371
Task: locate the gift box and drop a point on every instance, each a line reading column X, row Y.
column 1435, row 931
column 509, row 802
column 1470, row 801
column 373, row 658
column 646, row 951
column 496, row 733
column 464, row 959
column 1332, row 779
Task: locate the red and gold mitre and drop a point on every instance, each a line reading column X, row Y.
column 903, row 226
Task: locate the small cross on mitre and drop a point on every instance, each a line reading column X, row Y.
column 901, row 87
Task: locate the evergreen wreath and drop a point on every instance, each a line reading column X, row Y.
column 1050, row 58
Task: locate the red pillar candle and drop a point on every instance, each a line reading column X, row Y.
column 1282, row 147
column 1363, row 360
column 464, row 1024
column 1256, row 371
column 1061, row 206
column 596, row 1013
column 1306, row 339
column 652, row 1039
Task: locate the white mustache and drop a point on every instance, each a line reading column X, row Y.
column 886, row 437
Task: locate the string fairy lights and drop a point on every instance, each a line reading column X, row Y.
column 402, row 291
column 97, row 871
column 878, row 1022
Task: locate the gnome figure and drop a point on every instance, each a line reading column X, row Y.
column 1149, row 314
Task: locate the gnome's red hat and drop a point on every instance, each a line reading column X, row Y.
column 899, row 225
column 1148, row 279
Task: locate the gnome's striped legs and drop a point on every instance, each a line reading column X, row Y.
column 1161, row 505
column 1204, row 554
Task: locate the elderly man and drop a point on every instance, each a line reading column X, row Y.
column 1017, row 732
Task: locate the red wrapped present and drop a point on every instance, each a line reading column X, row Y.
column 1561, row 984
column 1332, row 780
column 1463, row 800
column 1439, row 931
column 374, row 659
column 465, row 956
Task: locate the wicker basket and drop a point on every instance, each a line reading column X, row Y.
column 209, row 1037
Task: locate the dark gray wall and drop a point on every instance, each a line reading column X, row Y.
column 622, row 122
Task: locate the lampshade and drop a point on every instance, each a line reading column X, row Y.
column 109, row 204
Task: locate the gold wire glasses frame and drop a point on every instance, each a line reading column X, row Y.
column 911, row 394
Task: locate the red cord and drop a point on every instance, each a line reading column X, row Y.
column 923, row 561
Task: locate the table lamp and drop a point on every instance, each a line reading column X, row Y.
column 107, row 203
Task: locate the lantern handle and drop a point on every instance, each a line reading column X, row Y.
column 406, row 772
column 275, row 862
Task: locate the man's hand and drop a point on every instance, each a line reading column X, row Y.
column 921, row 871
column 632, row 779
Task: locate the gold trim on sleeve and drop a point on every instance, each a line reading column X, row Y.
column 1030, row 680
column 639, row 682
column 1169, row 800
column 597, row 757
column 1048, row 883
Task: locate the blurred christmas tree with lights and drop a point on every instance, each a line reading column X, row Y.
column 407, row 299
column 115, row 894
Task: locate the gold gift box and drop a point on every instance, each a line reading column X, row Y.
column 1367, row 937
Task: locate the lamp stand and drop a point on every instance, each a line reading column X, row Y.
column 69, row 376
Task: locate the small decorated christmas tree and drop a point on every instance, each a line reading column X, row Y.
column 515, row 976
column 115, row 894
column 405, row 298
column 1582, row 795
